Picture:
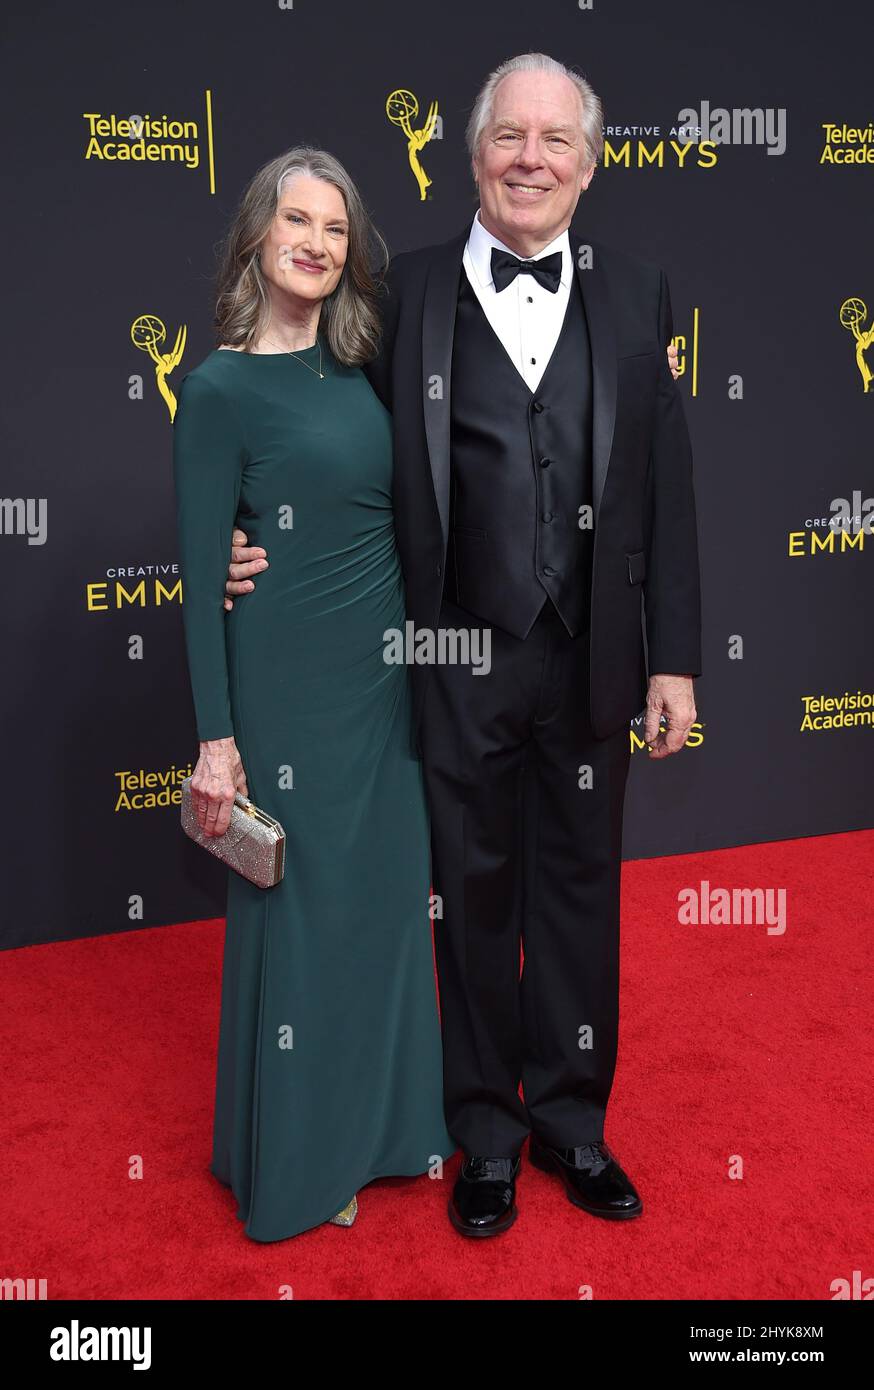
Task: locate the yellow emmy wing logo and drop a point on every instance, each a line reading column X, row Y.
column 852, row 315
column 147, row 333
column 402, row 108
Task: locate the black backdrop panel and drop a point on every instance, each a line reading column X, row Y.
column 761, row 249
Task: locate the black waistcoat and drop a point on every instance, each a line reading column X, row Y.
column 521, row 470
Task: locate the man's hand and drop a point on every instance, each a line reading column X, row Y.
column 246, row 561
column 673, row 360
column 673, row 697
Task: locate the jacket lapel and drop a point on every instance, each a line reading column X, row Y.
column 438, row 330
column 602, row 338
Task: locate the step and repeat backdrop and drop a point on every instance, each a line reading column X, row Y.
column 739, row 156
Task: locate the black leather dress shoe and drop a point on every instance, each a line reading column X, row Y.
column 483, row 1201
column 593, row 1179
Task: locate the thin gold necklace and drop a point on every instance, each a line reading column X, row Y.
column 290, row 352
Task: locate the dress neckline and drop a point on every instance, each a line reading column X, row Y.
column 299, row 352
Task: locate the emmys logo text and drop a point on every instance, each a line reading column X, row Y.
column 155, row 585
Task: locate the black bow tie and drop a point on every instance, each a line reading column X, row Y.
column 506, row 266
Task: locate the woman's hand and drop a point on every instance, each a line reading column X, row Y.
column 217, row 778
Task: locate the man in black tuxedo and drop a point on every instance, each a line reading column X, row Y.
column 543, row 490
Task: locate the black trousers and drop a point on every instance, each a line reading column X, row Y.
column 522, row 852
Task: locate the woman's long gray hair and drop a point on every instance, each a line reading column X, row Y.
column 350, row 316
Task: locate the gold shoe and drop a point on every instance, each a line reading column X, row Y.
column 347, row 1215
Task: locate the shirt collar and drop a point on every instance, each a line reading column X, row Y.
column 479, row 250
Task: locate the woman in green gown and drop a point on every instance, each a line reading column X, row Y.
column 329, row 1063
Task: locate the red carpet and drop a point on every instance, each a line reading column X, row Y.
column 733, row 1042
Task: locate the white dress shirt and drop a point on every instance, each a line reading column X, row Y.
column 526, row 317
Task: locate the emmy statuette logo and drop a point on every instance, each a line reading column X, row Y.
column 853, row 314
column 402, row 108
column 147, row 333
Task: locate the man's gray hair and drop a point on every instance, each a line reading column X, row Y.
column 591, row 111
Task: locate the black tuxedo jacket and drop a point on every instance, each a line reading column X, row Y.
column 644, row 505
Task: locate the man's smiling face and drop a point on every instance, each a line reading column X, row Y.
column 532, row 163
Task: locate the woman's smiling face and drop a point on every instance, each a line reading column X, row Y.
column 305, row 250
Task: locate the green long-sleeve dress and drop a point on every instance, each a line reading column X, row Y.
column 329, row 1061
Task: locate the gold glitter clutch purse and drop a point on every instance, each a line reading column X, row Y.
column 253, row 844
